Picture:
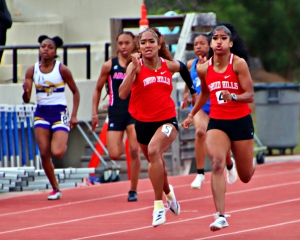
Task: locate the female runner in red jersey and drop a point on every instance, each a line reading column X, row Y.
column 226, row 79
column 149, row 79
column 200, row 120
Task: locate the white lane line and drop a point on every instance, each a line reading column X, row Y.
column 250, row 230
column 74, row 220
column 256, row 175
column 135, row 210
column 190, row 219
column 69, row 204
column 141, row 192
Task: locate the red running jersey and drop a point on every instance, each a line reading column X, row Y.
column 150, row 99
column 227, row 80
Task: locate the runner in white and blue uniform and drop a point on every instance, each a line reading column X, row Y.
column 51, row 112
column 51, row 120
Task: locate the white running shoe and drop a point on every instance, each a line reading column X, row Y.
column 173, row 205
column 198, row 181
column 55, row 195
column 217, row 215
column 159, row 217
column 232, row 175
column 218, row 224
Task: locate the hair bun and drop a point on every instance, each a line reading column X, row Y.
column 58, row 41
column 42, row 38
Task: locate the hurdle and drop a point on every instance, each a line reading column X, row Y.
column 28, row 109
column 20, row 167
column 16, row 137
column 20, row 112
column 9, row 119
column 14, row 121
column 29, row 113
column 3, row 134
column 28, row 178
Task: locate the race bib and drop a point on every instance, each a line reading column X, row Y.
column 64, row 117
column 166, row 129
column 220, row 98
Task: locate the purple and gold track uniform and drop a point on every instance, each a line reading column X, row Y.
column 51, row 112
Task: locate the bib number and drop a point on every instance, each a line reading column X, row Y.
column 219, row 96
column 64, row 117
column 166, row 129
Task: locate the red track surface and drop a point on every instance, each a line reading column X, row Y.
column 265, row 208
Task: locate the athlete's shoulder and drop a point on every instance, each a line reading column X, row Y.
column 62, row 67
column 106, row 67
column 239, row 63
column 238, row 59
column 190, row 62
column 29, row 72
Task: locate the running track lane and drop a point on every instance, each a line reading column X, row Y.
column 265, row 208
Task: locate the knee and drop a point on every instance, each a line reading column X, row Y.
column 245, row 178
column 217, row 165
column 114, row 156
column 134, row 152
column 45, row 154
column 153, row 154
column 59, row 152
column 200, row 133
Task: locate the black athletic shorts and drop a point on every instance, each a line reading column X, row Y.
column 146, row 130
column 237, row 129
column 119, row 122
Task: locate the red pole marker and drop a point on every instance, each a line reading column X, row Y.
column 144, row 22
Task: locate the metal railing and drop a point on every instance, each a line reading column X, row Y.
column 65, row 48
column 106, row 52
column 114, row 165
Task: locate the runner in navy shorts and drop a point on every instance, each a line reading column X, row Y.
column 52, row 117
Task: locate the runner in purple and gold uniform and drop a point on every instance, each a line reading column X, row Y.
column 51, row 120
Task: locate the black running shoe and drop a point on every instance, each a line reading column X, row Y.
column 132, row 196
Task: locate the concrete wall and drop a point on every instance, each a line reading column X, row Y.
column 76, row 21
column 83, row 20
